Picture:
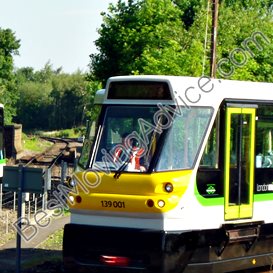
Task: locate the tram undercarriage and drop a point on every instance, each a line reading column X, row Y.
column 108, row 249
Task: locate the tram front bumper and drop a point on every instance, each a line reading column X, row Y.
column 102, row 249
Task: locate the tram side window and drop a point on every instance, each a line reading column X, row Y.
column 184, row 139
column 264, row 137
column 209, row 176
column 211, row 152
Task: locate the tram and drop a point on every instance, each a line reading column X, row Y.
column 175, row 175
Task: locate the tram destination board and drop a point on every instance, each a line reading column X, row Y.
column 33, row 180
column 139, row 90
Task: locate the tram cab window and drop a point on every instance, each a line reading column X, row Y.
column 89, row 138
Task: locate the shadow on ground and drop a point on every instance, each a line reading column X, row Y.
column 32, row 260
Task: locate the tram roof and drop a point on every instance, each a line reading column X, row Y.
column 191, row 91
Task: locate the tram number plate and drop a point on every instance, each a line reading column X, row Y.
column 112, row 204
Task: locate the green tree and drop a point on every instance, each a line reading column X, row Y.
column 34, row 105
column 245, row 40
column 9, row 46
column 171, row 49
column 144, row 37
column 189, row 9
column 50, row 99
column 88, row 111
column 69, row 94
column 168, row 37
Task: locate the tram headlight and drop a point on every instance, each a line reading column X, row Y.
column 160, row 203
column 71, row 182
column 168, row 187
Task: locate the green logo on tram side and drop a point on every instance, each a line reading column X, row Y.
column 210, row 189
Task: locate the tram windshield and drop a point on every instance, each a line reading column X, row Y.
column 130, row 136
column 127, row 138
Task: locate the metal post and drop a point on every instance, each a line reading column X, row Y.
column 63, row 171
column 44, row 200
column 14, row 201
column 1, row 198
column 35, row 205
column 23, row 205
column 19, row 214
column 46, row 188
column 213, row 66
column 7, row 222
column 29, row 208
column 47, row 178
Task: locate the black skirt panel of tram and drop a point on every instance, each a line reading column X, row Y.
column 86, row 247
column 107, row 249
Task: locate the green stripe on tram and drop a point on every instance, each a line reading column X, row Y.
column 263, row 197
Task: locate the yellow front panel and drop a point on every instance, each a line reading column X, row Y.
column 130, row 192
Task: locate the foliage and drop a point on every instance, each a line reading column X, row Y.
column 9, row 46
column 144, row 37
column 50, row 99
column 189, row 10
column 168, row 36
column 252, row 17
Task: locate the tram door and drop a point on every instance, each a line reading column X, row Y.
column 239, row 161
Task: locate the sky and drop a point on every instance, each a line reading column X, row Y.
column 61, row 32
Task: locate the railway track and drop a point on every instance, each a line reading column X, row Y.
column 57, row 163
column 65, row 149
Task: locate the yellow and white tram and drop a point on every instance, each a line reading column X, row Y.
column 176, row 175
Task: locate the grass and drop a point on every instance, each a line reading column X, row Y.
column 5, row 237
column 71, row 133
column 54, row 241
column 34, row 143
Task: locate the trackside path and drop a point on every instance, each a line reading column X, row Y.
column 31, row 254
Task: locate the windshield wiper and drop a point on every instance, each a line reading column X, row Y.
column 122, row 167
